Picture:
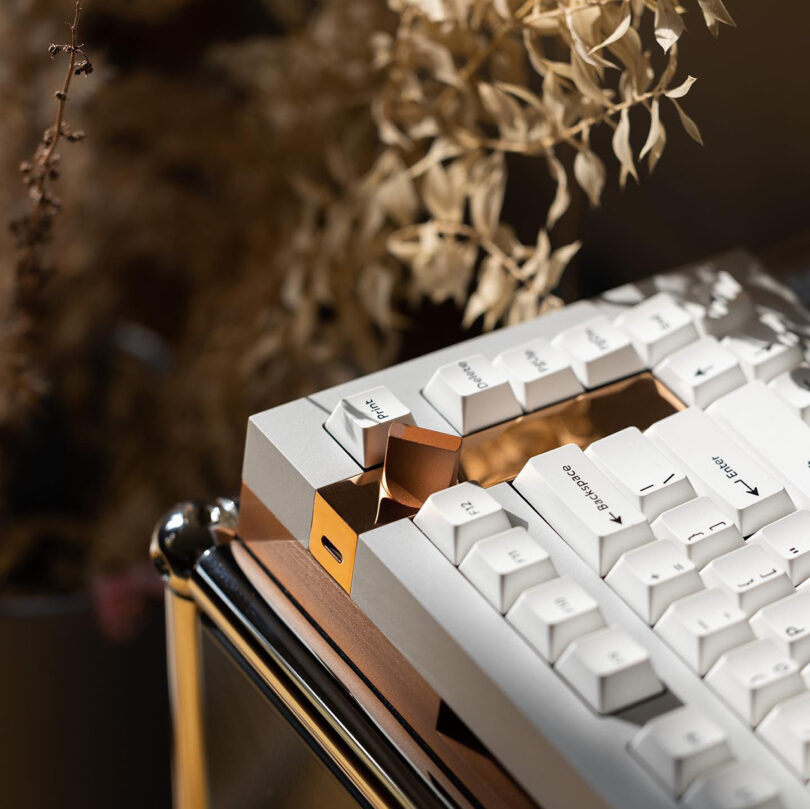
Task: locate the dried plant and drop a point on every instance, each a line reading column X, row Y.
column 23, row 326
column 463, row 87
column 253, row 227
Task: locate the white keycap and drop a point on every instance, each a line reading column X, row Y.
column 539, row 374
column 787, row 729
column 762, row 352
column 609, row 670
column 657, row 327
column 787, row 542
column 472, row 394
column 738, row 786
column 793, row 388
column 719, row 304
column 455, row 519
column 360, row 423
column 599, row 352
column 680, row 746
column 504, row 565
column 777, row 437
column 787, row 624
column 754, row 678
column 806, row 676
column 749, row 577
column 552, row 614
column 701, row 372
column 704, row 626
column 641, row 472
column 718, row 466
column 579, row 503
column 651, row 577
column 699, row 530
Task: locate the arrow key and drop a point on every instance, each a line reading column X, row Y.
column 701, row 372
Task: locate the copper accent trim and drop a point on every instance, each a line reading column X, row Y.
column 498, row 453
column 342, row 511
column 419, row 462
column 381, row 679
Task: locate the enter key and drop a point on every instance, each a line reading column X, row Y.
column 720, row 468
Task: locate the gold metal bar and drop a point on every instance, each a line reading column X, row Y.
column 189, row 783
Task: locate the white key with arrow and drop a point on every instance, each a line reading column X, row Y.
column 701, row 372
column 582, row 506
column 719, row 467
column 774, row 434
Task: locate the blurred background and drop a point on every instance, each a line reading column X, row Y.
column 168, row 315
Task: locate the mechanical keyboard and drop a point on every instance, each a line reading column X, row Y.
column 589, row 533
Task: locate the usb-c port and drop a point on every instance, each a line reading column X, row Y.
column 332, row 549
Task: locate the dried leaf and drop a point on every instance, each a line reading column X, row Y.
column 668, row 24
column 524, row 94
column 559, row 260
column 630, row 51
column 621, row 146
column 508, row 114
column 433, row 9
column 589, row 171
column 402, row 248
column 443, row 268
column 487, row 199
column 618, row 32
column 581, row 73
column 502, row 9
column 580, row 26
column 554, row 99
column 397, row 196
column 657, row 149
column 443, row 198
column 562, row 198
column 682, row 89
column 438, row 57
column 376, row 291
column 690, row 127
column 655, row 129
column 492, row 294
column 525, row 306
column 715, row 12
column 441, row 149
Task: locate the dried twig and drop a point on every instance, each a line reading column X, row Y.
column 21, row 374
column 35, row 229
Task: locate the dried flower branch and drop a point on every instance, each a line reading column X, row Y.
column 34, row 230
column 462, row 86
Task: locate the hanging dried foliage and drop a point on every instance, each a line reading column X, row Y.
column 461, row 86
